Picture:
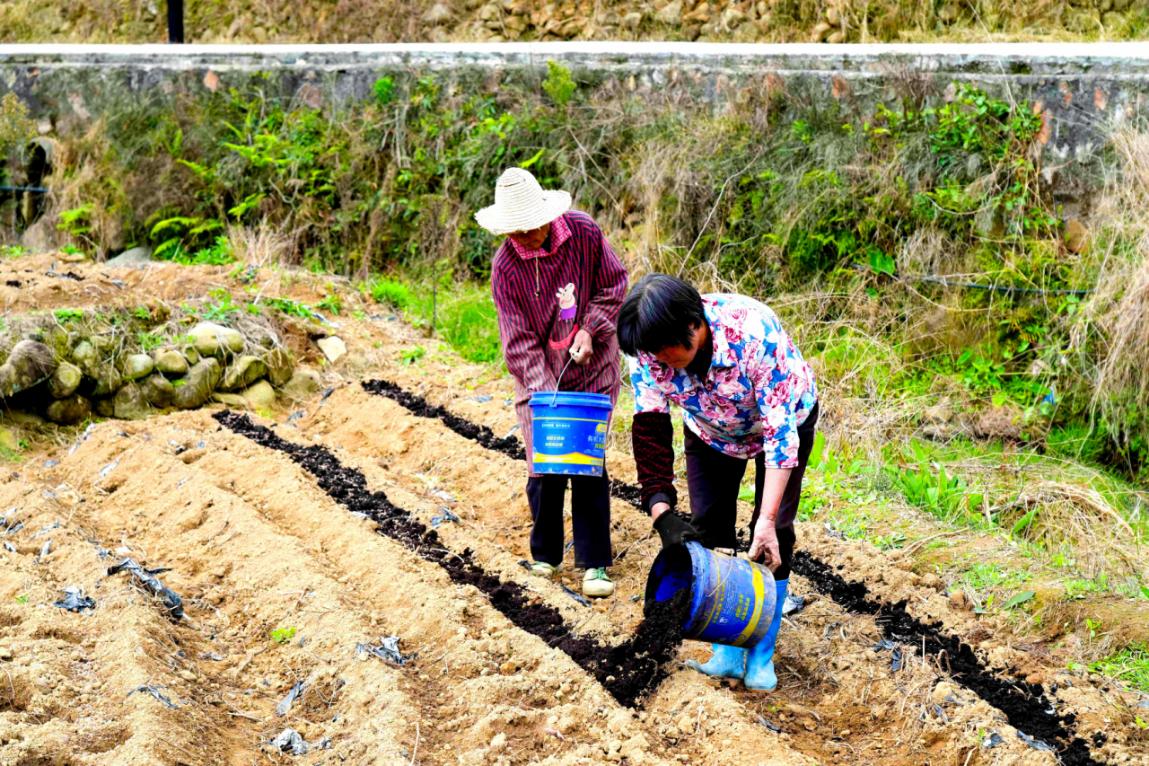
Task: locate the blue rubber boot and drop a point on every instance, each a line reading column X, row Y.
column 760, row 657
column 725, row 662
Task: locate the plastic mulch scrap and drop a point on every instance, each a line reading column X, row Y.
column 1036, row 744
column 386, row 650
column 292, row 742
column 793, row 604
column 446, row 515
column 147, row 578
column 155, row 692
column 895, row 653
column 45, row 549
column 286, row 703
column 576, row 596
column 770, row 725
column 74, row 600
column 993, row 740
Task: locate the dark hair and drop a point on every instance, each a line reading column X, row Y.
column 661, row 311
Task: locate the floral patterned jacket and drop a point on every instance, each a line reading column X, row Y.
column 757, row 391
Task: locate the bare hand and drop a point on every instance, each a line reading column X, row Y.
column 658, row 509
column 766, row 542
column 582, row 347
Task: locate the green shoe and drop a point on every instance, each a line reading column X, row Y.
column 543, row 569
column 596, row 583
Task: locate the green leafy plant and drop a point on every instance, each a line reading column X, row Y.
column 390, row 293
column 412, row 355
column 931, row 488
column 149, row 341
column 1018, row 599
column 384, row 89
column 289, row 307
column 332, row 303
column 22, row 598
column 1130, row 665
column 181, row 237
column 559, row 84
column 283, row 635
column 64, row 316
column 221, row 307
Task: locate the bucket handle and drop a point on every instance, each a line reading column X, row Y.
column 560, row 380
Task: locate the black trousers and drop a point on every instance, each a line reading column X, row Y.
column 714, row 478
column 590, row 518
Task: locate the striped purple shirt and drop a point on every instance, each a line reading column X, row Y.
column 545, row 296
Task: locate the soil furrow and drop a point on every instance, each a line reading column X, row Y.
column 628, row 671
column 1025, row 705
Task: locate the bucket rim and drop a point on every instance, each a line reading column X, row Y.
column 575, row 398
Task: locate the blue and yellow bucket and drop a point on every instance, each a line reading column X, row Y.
column 731, row 599
column 568, row 432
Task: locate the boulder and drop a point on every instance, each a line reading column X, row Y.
column 1076, row 236
column 280, row 364
column 9, row 440
column 332, row 347
column 211, row 339
column 65, row 380
column 86, row 358
column 169, row 361
column 438, row 14
column 303, row 384
column 70, row 410
column 192, row 355
column 129, row 403
column 232, row 401
column 29, row 363
column 261, row 396
column 158, row 391
column 132, row 259
column 242, row 373
column 137, row 366
column 670, row 14
column 196, row 387
column 104, row 408
column 108, row 380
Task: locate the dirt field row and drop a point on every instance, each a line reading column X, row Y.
column 285, row 584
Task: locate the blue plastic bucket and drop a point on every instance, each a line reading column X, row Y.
column 731, row 599
column 568, row 432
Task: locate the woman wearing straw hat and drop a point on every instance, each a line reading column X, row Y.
column 557, row 287
column 746, row 395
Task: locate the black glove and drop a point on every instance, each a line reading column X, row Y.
column 674, row 529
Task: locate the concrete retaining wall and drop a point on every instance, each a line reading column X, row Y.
column 1085, row 90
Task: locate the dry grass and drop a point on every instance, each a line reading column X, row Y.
column 262, row 245
column 1114, row 325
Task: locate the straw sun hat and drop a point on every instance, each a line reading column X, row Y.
column 521, row 204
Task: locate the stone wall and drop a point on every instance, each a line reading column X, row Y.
column 1084, row 90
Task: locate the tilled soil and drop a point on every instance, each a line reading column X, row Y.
column 295, row 543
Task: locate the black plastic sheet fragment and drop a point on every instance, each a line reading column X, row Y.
column 291, row 742
column 387, row 650
column 74, row 600
column 285, row 704
column 147, row 579
column 793, row 604
column 1036, row 744
column 445, row 515
column 154, row 691
column 896, row 656
column 576, row 595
